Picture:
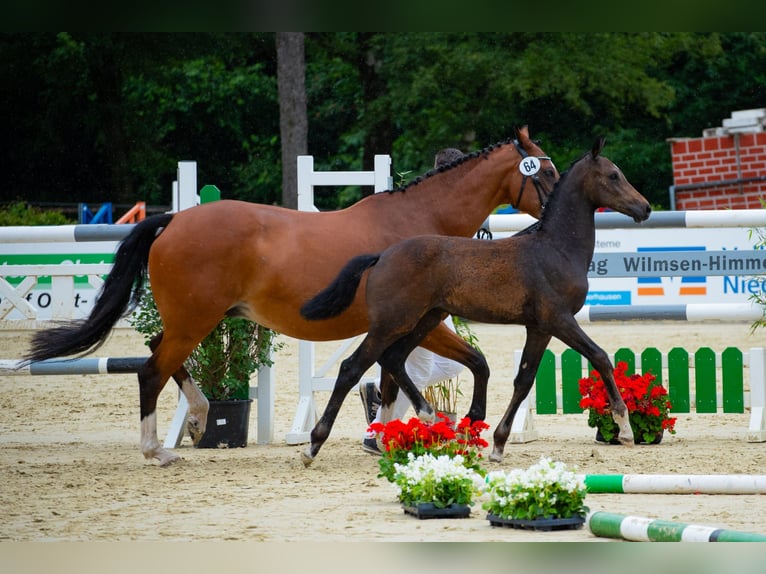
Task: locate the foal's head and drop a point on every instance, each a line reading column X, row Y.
column 605, row 185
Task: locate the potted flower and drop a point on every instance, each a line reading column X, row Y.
column 546, row 496
column 647, row 403
column 417, row 438
column 221, row 365
column 443, row 395
column 437, row 486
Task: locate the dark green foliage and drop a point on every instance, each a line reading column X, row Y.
column 97, row 117
column 19, row 213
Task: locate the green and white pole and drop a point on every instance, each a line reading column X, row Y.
column 640, row 529
column 676, row 483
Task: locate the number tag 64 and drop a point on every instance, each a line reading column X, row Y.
column 529, row 166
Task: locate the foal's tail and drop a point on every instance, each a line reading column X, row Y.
column 338, row 295
column 119, row 295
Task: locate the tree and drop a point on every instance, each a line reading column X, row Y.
column 293, row 120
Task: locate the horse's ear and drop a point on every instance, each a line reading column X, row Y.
column 520, row 131
column 598, row 145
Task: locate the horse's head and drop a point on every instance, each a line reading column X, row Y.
column 608, row 187
column 533, row 176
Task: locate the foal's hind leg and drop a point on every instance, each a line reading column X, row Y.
column 196, row 421
column 534, row 347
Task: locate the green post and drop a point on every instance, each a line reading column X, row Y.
column 545, row 384
column 704, row 366
column 678, row 380
column 731, row 379
column 651, row 362
column 571, row 373
column 626, row 356
column 209, row 193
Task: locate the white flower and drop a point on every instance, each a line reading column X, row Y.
column 549, row 485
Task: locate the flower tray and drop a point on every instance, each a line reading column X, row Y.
column 546, row 524
column 428, row 510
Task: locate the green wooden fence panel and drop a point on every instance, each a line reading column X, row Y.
column 545, row 385
column 704, row 366
column 571, row 373
column 628, row 356
column 732, row 380
column 678, row 380
column 651, row 362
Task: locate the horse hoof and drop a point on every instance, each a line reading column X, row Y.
column 626, row 441
column 496, row 456
column 195, row 429
column 166, row 458
column 307, row 458
column 427, row 417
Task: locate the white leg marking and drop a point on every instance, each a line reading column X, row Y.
column 150, row 445
column 198, row 407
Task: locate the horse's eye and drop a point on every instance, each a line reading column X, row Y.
column 614, row 176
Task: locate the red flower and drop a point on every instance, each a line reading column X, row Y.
column 438, row 438
column 646, row 401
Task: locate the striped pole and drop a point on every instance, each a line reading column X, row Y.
column 680, row 312
column 84, row 366
column 64, row 233
column 640, row 529
column 499, row 223
column 676, row 483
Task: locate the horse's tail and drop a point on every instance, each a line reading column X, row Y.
column 338, row 295
column 119, row 295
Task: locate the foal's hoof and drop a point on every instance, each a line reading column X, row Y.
column 306, row 457
column 496, row 456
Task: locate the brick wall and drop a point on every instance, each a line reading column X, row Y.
column 713, row 159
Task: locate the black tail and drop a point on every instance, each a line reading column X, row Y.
column 338, row 295
column 119, row 295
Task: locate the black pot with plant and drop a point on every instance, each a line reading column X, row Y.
column 221, row 365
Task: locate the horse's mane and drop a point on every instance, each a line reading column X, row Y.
column 459, row 161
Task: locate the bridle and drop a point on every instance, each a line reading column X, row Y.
column 529, row 167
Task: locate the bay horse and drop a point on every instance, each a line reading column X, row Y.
column 537, row 278
column 262, row 262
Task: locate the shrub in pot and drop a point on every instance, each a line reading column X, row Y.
column 221, row 365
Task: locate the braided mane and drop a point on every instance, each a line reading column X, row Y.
column 459, row 161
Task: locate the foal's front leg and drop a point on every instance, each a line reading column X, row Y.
column 534, row 347
column 575, row 337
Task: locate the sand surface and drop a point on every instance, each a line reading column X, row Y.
column 71, row 467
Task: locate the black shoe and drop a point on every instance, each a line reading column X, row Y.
column 370, row 445
column 370, row 400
